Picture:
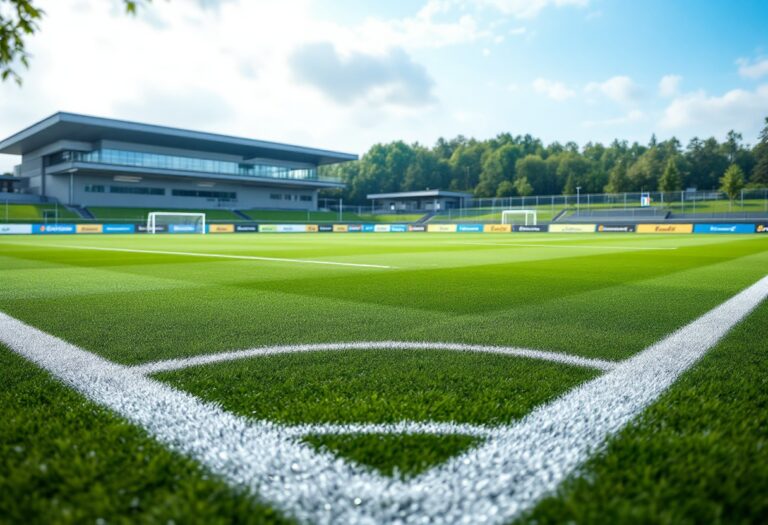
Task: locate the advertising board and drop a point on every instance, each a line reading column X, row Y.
column 340, row 228
column 497, row 228
column 761, row 228
column 246, row 228
column 382, row 228
column 15, row 229
column 398, row 228
column 530, row 229
column 417, row 228
column 441, row 228
column 88, row 228
column 616, row 228
column 724, row 228
column 183, row 228
column 325, row 228
column 53, row 228
column 664, row 228
column 159, row 228
column 221, row 228
column 355, row 228
column 572, row 228
column 119, row 228
column 368, row 228
column 470, row 228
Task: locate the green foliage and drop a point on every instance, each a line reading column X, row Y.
column 732, row 182
column 617, row 180
column 759, row 176
column 523, row 187
column 671, row 180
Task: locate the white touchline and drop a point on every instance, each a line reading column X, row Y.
column 493, row 483
column 177, row 364
column 222, row 256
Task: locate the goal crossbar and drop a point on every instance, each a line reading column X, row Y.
column 528, row 214
column 152, row 219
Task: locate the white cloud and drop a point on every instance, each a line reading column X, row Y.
column 391, row 78
column 518, row 31
column 631, row 117
column 527, row 8
column 619, row 89
column 553, row 89
column 669, row 85
column 738, row 109
column 753, row 69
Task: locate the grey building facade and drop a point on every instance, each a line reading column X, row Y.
column 81, row 160
column 419, row 201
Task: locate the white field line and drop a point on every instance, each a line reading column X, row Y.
column 177, row 364
column 223, row 256
column 493, row 483
column 574, row 246
column 401, row 427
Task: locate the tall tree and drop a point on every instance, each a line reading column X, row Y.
column 732, row 182
column 671, row 179
column 523, row 187
column 760, row 153
column 617, row 180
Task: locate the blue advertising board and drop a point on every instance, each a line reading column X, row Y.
column 723, row 228
column 53, row 228
column 119, row 228
column 398, row 228
column 183, row 228
column 470, row 228
column 369, row 227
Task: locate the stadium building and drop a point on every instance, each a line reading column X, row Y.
column 80, row 160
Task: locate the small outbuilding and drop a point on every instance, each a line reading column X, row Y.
column 419, row 201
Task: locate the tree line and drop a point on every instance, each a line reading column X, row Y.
column 521, row 165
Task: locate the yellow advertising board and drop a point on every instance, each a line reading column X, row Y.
column 665, row 228
column 497, row 228
column 221, row 228
column 312, row 228
column 441, row 228
column 340, row 228
column 89, row 228
column 572, row 228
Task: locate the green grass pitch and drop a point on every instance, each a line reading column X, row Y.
column 697, row 454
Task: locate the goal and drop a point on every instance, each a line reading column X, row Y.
column 507, row 216
column 175, row 222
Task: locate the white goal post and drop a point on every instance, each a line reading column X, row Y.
column 176, row 222
column 505, row 216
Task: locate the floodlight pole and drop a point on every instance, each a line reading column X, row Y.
column 578, row 195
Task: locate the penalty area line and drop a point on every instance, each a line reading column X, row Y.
column 225, row 256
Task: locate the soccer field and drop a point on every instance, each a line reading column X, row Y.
column 342, row 378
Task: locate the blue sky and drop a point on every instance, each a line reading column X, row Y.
column 346, row 74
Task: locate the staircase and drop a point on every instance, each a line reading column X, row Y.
column 425, row 218
column 241, row 215
column 83, row 213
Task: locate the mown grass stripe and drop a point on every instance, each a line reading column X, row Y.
column 222, row 256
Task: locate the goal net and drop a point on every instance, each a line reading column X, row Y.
column 509, row 217
column 173, row 222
